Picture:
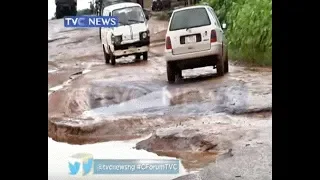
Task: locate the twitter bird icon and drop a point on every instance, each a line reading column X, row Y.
column 87, row 166
column 81, row 164
column 74, row 168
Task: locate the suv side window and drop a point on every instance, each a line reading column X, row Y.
column 215, row 17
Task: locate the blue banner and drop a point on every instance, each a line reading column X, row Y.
column 104, row 166
column 91, row 21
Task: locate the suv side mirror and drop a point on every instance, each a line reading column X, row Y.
column 224, row 26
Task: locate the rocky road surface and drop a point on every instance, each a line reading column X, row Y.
column 219, row 126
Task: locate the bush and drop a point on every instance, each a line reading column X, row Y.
column 249, row 28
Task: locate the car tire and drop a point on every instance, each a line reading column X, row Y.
column 137, row 56
column 106, row 55
column 113, row 59
column 220, row 67
column 145, row 56
column 179, row 73
column 226, row 64
column 170, row 73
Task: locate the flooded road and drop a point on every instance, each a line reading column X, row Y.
column 201, row 119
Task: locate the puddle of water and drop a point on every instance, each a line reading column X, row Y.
column 52, row 70
column 65, row 83
column 86, row 71
column 59, row 153
column 56, row 88
column 151, row 100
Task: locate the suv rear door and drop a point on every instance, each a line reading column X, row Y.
column 190, row 31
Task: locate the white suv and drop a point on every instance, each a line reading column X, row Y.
column 195, row 39
column 131, row 37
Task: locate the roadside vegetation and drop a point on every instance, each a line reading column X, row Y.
column 249, row 29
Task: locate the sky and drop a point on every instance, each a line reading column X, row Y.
column 82, row 4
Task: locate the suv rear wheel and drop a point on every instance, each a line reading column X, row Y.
column 170, row 72
column 145, row 56
column 226, row 64
column 137, row 56
column 220, row 67
column 178, row 72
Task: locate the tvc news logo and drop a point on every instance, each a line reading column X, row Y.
column 91, row 21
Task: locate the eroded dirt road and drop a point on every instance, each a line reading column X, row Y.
column 201, row 120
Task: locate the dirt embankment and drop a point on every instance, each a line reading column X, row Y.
column 208, row 137
column 84, row 131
